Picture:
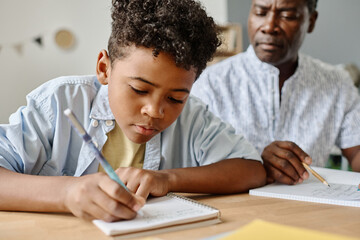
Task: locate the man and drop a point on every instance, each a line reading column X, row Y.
column 292, row 107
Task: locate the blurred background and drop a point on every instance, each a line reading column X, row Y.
column 43, row 39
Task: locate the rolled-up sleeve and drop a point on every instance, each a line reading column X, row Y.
column 39, row 139
column 25, row 139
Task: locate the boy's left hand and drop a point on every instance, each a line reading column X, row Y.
column 144, row 182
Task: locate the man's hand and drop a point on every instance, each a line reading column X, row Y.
column 283, row 162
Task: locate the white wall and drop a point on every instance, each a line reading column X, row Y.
column 89, row 20
column 21, row 21
column 218, row 9
column 337, row 33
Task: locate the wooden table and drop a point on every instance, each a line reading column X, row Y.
column 236, row 211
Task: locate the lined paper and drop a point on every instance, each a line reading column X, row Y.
column 342, row 191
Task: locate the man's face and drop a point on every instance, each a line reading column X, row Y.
column 146, row 93
column 277, row 29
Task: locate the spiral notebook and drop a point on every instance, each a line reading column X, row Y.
column 343, row 189
column 162, row 214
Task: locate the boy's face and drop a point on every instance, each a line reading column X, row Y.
column 146, row 93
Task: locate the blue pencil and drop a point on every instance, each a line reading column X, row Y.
column 87, row 139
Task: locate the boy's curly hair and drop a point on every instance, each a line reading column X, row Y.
column 180, row 28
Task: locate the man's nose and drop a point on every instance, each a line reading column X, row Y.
column 270, row 25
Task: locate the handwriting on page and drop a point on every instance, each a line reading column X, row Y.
column 162, row 212
column 171, row 214
column 343, row 190
column 338, row 191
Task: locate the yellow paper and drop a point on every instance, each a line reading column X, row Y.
column 260, row 230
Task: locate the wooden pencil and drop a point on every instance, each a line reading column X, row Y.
column 316, row 174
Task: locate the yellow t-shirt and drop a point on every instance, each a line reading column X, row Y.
column 119, row 151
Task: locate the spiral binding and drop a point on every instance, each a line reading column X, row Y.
column 183, row 198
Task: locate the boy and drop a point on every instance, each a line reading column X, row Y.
column 139, row 112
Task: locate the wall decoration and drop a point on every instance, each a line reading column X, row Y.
column 18, row 48
column 65, row 39
column 39, row 41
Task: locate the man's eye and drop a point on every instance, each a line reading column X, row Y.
column 138, row 91
column 260, row 12
column 289, row 17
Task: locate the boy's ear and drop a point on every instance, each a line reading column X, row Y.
column 103, row 67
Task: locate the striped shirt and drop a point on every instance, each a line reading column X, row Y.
column 320, row 106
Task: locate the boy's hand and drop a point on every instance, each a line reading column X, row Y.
column 283, row 162
column 144, row 182
column 96, row 196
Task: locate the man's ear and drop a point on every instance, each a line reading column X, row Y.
column 103, row 67
column 313, row 18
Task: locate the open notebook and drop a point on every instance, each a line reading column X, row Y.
column 343, row 189
column 168, row 213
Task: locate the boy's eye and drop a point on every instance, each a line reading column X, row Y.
column 138, row 91
column 142, row 92
column 176, row 100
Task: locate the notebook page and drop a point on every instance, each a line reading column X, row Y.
column 343, row 190
column 338, row 176
column 160, row 212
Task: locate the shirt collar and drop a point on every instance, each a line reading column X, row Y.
column 268, row 67
column 101, row 108
column 258, row 64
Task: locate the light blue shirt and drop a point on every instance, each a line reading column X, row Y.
column 39, row 140
column 320, row 105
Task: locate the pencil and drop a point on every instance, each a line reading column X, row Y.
column 316, row 174
column 87, row 139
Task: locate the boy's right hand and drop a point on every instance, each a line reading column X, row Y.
column 96, row 196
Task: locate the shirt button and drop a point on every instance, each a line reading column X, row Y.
column 95, row 123
column 109, row 123
column 96, row 144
